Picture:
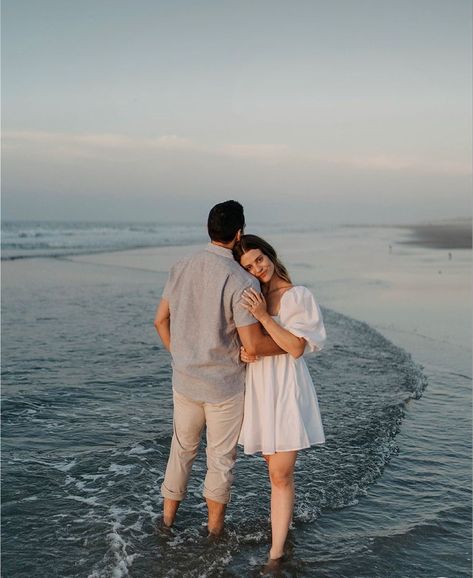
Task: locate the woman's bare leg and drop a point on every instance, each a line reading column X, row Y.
column 281, row 474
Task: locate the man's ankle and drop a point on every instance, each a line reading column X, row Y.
column 215, row 530
column 168, row 522
column 170, row 508
column 216, row 517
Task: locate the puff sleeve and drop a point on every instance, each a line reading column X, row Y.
column 301, row 315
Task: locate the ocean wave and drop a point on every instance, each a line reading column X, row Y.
column 22, row 240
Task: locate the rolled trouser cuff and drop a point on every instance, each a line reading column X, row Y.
column 167, row 493
column 221, row 498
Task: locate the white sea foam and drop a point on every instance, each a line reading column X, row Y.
column 139, row 450
column 42, row 239
column 123, row 560
column 121, row 470
column 137, row 526
column 65, row 466
column 82, row 486
column 93, row 478
column 92, row 501
column 120, row 513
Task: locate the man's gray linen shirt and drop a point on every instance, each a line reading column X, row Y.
column 204, row 294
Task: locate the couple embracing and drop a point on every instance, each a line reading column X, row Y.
column 236, row 328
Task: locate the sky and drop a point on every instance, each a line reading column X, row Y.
column 311, row 111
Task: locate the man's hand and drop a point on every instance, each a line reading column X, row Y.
column 246, row 357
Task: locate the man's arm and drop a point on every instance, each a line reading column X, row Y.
column 162, row 322
column 256, row 342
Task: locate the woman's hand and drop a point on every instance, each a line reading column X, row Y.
column 255, row 303
column 246, row 357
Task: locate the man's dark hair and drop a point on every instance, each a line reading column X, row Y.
column 225, row 219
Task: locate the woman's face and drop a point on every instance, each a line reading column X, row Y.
column 258, row 264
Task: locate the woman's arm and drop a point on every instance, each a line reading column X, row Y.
column 162, row 322
column 256, row 342
column 285, row 339
column 256, row 304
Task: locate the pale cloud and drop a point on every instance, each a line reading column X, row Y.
column 173, row 142
column 97, row 140
column 256, row 151
column 56, row 175
column 398, row 163
column 110, row 145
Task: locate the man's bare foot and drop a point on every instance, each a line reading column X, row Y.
column 214, row 537
column 163, row 530
column 204, row 532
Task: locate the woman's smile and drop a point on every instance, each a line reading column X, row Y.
column 263, row 276
column 258, row 264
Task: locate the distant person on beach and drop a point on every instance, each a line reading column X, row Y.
column 281, row 413
column 202, row 322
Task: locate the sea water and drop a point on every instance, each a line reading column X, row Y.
column 87, row 423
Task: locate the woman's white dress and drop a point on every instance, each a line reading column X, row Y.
column 281, row 407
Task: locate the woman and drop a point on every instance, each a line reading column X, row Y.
column 281, row 409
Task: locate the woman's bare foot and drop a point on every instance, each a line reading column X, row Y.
column 273, row 566
column 275, row 555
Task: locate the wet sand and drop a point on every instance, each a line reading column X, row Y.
column 373, row 274
column 442, row 235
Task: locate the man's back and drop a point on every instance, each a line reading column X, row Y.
column 204, row 293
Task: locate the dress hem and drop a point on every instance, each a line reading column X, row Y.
column 248, row 453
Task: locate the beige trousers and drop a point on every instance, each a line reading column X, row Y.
column 223, row 421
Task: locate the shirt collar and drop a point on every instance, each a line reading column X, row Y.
column 222, row 251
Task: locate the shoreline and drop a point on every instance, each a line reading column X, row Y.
column 442, row 235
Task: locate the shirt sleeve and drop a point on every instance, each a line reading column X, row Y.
column 301, row 315
column 242, row 316
column 168, row 287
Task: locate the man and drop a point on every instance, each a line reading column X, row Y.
column 202, row 323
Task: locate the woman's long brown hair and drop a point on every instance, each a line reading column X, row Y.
column 249, row 242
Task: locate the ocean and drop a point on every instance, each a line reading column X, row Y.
column 87, row 410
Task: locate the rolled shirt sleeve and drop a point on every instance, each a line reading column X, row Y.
column 242, row 316
column 169, row 286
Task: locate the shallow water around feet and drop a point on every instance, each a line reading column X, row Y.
column 87, row 426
